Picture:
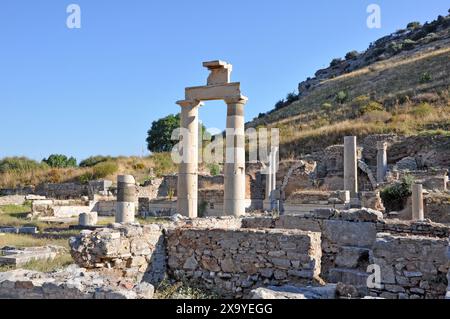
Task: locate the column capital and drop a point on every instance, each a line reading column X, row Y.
column 238, row 99
column 190, row 103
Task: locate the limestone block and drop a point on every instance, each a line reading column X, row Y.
column 345, row 233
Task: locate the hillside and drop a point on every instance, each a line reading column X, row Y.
column 400, row 84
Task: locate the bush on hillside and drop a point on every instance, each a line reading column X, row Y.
column 414, row 25
column 60, row 161
column 422, row 110
column 336, row 62
column 351, row 55
column 19, row 164
column 372, row 106
column 104, row 169
column 341, row 97
column 94, row 160
column 426, row 77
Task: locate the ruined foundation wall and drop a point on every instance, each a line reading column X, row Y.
column 137, row 251
column 412, row 267
column 233, row 262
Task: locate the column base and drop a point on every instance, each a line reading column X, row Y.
column 234, row 207
column 188, row 207
column 125, row 212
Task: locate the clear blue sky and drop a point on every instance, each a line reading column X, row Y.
column 97, row 90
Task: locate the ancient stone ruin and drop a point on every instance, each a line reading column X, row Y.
column 316, row 227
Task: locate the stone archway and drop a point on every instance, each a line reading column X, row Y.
column 219, row 87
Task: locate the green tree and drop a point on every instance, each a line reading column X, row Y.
column 60, row 161
column 160, row 134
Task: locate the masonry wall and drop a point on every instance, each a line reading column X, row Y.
column 233, row 262
column 348, row 237
column 412, row 267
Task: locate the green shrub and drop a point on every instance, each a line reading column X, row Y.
column 408, row 44
column 86, row 177
column 422, row 110
column 395, row 196
column 19, row 164
column 60, row 161
column 94, row 160
column 426, row 77
column 372, row 106
column 104, row 169
column 214, row 169
column 341, row 97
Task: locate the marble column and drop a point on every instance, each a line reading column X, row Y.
column 417, row 202
column 187, row 189
column 274, row 166
column 271, row 180
column 350, row 166
column 381, row 161
column 234, row 195
column 126, row 195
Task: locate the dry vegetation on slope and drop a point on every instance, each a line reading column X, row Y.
column 406, row 94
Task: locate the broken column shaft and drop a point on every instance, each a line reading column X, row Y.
column 126, row 194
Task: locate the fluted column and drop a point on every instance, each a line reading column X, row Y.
column 234, row 195
column 187, row 189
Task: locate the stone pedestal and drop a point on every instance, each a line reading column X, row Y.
column 381, row 161
column 187, row 188
column 417, row 202
column 126, row 194
column 350, row 166
column 234, row 195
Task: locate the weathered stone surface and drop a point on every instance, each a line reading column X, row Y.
column 361, row 215
column 349, row 234
column 137, row 251
column 413, row 266
column 71, row 283
column 351, row 257
column 243, row 258
column 291, row 292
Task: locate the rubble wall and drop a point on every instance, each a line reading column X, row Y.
column 233, row 262
column 412, row 267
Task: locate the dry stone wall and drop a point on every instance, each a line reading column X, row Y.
column 412, row 267
column 233, row 262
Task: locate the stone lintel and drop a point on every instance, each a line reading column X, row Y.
column 213, row 92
